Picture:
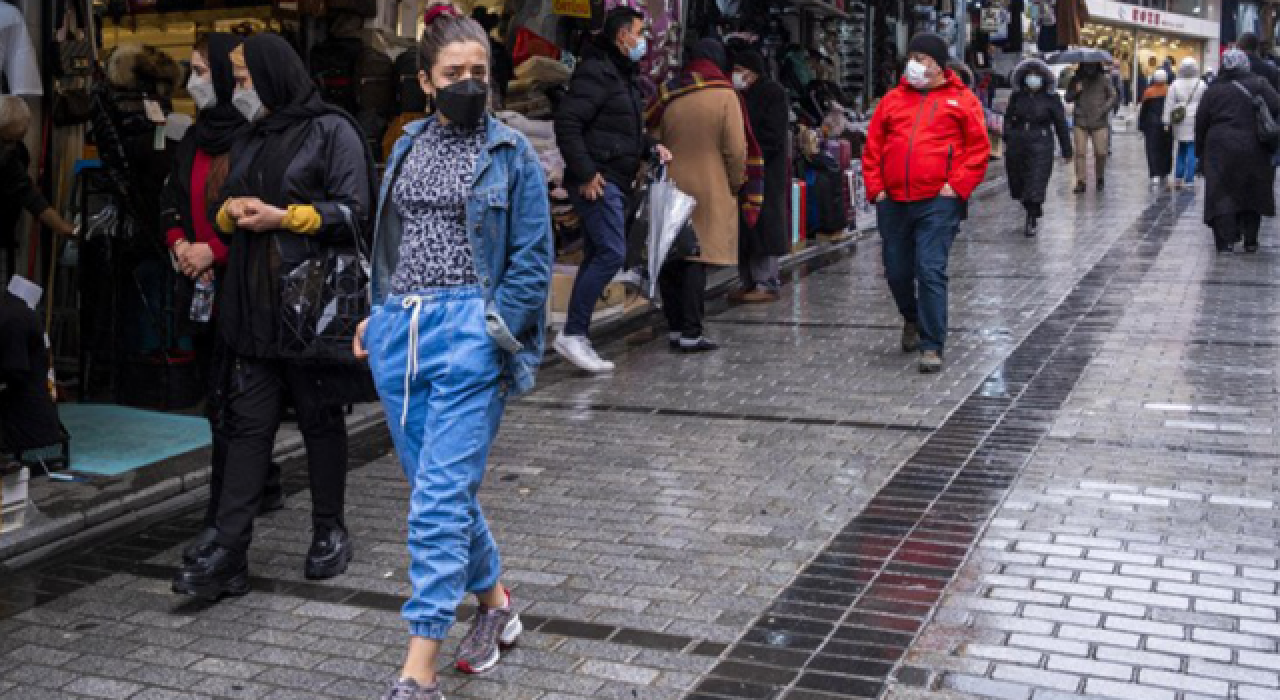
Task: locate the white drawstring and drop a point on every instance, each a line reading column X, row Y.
column 411, row 361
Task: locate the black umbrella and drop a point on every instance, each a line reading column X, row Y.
column 1079, row 56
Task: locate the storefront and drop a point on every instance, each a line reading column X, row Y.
column 1144, row 39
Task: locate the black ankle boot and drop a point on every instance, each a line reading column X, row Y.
column 201, row 546
column 330, row 553
column 221, row 572
column 1032, row 227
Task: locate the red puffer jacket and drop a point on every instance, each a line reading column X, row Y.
column 920, row 142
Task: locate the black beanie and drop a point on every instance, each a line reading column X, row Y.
column 751, row 60
column 931, row 45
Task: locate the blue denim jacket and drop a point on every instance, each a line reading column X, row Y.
column 509, row 226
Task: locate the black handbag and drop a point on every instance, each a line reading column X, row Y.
column 1265, row 122
column 323, row 299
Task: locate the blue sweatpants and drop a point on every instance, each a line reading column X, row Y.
column 439, row 376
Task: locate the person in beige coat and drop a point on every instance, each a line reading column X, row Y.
column 699, row 118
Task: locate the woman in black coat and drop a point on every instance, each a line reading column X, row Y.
column 299, row 190
column 1034, row 115
column 1158, row 137
column 760, row 247
column 1239, row 176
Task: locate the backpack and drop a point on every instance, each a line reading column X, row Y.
column 335, row 65
column 1264, row 122
column 377, row 82
column 409, row 94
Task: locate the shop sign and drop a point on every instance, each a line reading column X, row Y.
column 572, row 8
column 1109, row 11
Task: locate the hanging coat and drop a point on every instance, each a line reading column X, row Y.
column 1072, row 14
column 1031, row 121
column 1159, row 140
column 766, row 102
column 1238, row 173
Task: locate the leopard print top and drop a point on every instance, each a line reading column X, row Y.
column 430, row 195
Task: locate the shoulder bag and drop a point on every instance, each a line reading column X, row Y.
column 1179, row 113
column 1264, row 122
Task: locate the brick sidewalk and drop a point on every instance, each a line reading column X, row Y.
column 1079, row 503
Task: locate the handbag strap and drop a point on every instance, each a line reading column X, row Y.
column 1243, row 89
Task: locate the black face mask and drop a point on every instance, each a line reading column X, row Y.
column 464, row 102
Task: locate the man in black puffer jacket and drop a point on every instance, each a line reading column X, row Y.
column 600, row 133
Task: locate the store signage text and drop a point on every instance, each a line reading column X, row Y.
column 1110, row 11
column 572, row 8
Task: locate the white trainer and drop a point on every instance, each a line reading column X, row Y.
column 577, row 351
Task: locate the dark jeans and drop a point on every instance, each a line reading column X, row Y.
column 604, row 251
column 917, row 241
column 683, row 284
column 1230, row 228
column 252, row 416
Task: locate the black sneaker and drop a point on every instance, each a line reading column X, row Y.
column 1102, row 184
column 222, row 572
column 910, row 337
column 201, row 546
column 697, row 345
column 1080, row 188
column 330, row 553
column 1032, row 227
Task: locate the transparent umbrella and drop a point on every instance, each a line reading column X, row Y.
column 669, row 211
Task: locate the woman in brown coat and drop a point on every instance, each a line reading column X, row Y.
column 700, row 119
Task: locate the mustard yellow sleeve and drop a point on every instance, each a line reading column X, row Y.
column 224, row 221
column 302, row 218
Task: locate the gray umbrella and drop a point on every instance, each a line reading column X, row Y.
column 1079, row 56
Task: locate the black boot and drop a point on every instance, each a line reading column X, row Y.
column 1032, row 227
column 330, row 553
column 200, row 546
column 221, row 572
column 1079, row 187
column 1102, row 184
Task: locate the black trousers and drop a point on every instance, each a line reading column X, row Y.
column 206, row 350
column 1230, row 228
column 683, row 284
column 255, row 401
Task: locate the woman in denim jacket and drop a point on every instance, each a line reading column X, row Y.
column 461, row 269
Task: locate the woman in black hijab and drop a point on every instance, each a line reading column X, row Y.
column 299, row 190
column 199, row 168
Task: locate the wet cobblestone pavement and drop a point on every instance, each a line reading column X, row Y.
column 1082, row 504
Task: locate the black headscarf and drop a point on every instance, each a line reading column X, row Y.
column 282, row 83
column 712, row 50
column 217, row 127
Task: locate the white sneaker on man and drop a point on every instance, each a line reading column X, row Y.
column 579, row 353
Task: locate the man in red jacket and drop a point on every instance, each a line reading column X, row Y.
column 926, row 152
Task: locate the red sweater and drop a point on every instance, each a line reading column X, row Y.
column 919, row 142
column 199, row 219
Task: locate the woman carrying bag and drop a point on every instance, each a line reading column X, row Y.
column 1180, row 109
column 298, row 196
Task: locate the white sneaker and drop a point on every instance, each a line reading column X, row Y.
column 605, row 365
column 578, row 352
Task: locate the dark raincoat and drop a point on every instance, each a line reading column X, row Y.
column 1238, row 173
column 1159, row 139
column 768, row 110
column 1031, row 121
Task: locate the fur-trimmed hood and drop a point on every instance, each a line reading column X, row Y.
column 1031, row 65
column 143, row 68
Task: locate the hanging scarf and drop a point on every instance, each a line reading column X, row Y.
column 216, row 128
column 702, row 74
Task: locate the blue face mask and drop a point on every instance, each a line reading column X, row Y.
column 637, row 52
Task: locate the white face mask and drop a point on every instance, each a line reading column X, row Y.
column 202, row 92
column 1034, row 82
column 739, row 81
column 917, row 74
column 248, row 102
